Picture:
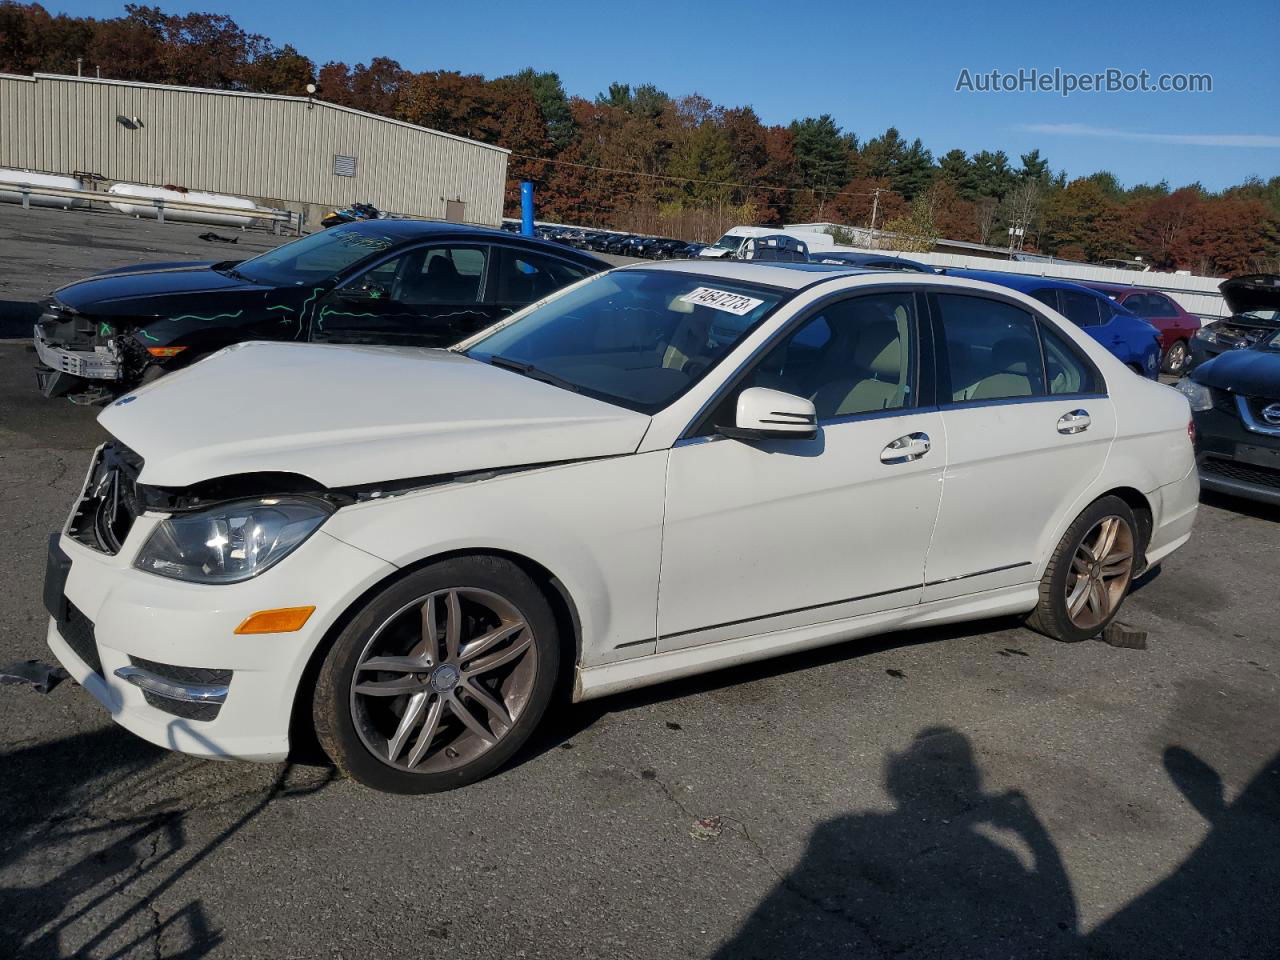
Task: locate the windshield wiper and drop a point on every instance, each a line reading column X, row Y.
column 230, row 271
column 533, row 373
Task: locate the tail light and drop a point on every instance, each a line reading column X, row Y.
column 1191, row 430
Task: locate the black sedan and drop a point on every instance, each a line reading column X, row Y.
column 1253, row 301
column 406, row 282
column 1235, row 399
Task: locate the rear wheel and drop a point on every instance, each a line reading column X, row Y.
column 1176, row 357
column 440, row 679
column 1089, row 574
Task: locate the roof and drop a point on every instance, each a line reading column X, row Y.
column 1021, row 281
column 789, row 276
column 406, row 230
column 310, row 101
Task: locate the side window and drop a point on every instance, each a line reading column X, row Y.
column 991, row 347
column 856, row 356
column 1159, row 306
column 1081, row 308
column 1066, row 370
column 426, row 276
column 1047, row 296
column 445, row 275
column 524, row 277
column 1140, row 304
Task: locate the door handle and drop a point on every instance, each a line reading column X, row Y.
column 1077, row 421
column 905, row 449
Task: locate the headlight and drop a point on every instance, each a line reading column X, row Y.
column 1197, row 394
column 231, row 542
column 1207, row 334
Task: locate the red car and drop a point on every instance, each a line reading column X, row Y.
column 1176, row 326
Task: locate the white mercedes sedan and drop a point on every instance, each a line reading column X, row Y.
column 658, row 471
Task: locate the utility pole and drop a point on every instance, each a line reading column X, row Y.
column 875, row 208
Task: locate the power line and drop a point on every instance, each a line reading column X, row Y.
column 717, row 183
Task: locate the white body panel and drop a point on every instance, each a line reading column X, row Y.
column 149, row 210
column 678, row 556
column 348, row 415
column 794, row 538
column 1008, row 468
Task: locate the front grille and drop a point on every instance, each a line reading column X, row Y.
column 1242, row 472
column 77, row 631
column 183, row 674
column 1224, row 401
column 182, row 708
column 109, row 504
column 1257, row 405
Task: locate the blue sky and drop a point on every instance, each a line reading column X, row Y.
column 868, row 65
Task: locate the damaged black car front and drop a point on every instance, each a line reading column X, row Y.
column 122, row 327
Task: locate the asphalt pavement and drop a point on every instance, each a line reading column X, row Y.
column 972, row 791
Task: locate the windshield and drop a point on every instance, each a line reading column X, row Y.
column 636, row 338
column 316, row 258
column 730, row 241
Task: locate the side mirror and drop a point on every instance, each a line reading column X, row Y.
column 765, row 414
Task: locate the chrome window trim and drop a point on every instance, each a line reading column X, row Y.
column 1014, row 401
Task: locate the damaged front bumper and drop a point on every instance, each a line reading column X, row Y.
column 100, row 363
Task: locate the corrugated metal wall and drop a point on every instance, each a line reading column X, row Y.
column 278, row 148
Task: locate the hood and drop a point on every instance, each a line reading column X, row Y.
column 150, row 291
column 346, row 416
column 1254, row 372
column 1257, row 291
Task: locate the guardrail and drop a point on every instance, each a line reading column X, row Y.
column 291, row 221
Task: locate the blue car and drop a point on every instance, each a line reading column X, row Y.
column 1117, row 328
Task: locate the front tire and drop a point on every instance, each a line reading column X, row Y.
column 1089, row 573
column 440, row 678
column 1176, row 358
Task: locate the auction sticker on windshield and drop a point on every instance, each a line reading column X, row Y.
column 734, row 303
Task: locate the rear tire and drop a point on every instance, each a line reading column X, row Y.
column 1089, row 573
column 440, row 678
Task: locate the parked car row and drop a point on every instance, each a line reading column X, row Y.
column 620, row 244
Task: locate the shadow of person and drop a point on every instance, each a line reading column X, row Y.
column 950, row 872
column 1222, row 900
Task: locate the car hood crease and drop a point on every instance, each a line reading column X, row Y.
column 350, row 415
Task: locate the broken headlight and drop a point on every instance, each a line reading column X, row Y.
column 233, row 541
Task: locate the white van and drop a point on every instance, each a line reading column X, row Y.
column 731, row 243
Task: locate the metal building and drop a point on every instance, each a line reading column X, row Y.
column 293, row 152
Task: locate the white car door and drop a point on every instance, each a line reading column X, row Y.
column 1029, row 427
column 769, row 534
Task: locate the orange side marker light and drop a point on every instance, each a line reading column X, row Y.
column 282, row 620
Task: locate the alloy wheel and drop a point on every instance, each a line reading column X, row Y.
column 1100, row 572
column 1176, row 358
column 443, row 680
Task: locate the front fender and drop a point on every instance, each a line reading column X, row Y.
column 595, row 525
